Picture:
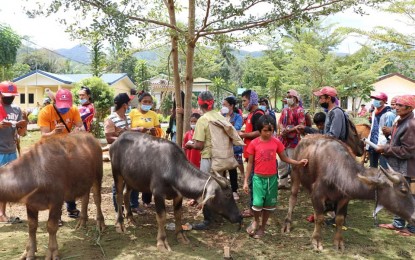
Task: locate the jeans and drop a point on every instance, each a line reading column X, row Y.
column 70, row 205
column 376, row 159
column 133, row 198
column 284, row 168
column 205, row 166
column 399, row 222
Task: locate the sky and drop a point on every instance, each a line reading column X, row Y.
column 48, row 33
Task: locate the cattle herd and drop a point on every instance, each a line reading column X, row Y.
column 60, row 169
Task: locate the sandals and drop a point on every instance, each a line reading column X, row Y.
column 404, row 232
column 389, row 226
column 259, row 234
column 12, row 220
column 73, row 213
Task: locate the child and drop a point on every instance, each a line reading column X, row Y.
column 262, row 152
column 192, row 155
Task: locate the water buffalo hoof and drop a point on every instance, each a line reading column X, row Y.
column 286, row 228
column 163, row 246
column 27, row 256
column 52, row 255
column 182, row 238
column 100, row 225
column 119, row 228
column 339, row 245
column 317, row 245
column 80, row 224
column 131, row 220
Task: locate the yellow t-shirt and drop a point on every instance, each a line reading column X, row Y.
column 202, row 132
column 48, row 117
column 147, row 120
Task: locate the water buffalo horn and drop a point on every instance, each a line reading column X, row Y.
column 393, row 178
column 221, row 181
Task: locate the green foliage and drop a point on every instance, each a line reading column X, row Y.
column 97, row 58
column 16, row 70
column 102, row 95
column 9, row 44
column 32, row 118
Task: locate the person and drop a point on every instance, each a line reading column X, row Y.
column 250, row 103
column 387, row 129
column 193, row 155
column 263, row 150
column 335, row 124
column 202, row 141
column 144, row 120
column 11, row 125
column 319, row 119
column 400, row 154
column 379, row 118
column 171, row 129
column 363, row 111
column 291, row 117
column 115, row 124
column 59, row 119
column 46, row 101
column 264, row 106
column 86, row 108
column 231, row 113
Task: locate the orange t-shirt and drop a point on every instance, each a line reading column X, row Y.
column 48, row 117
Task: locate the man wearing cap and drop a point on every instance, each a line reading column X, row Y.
column 379, row 118
column 11, row 125
column 400, row 154
column 291, row 117
column 61, row 118
column 202, row 140
column 50, row 122
column 335, row 124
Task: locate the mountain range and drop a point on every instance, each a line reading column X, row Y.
column 81, row 53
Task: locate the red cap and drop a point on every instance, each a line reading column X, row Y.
column 293, row 93
column 63, row 98
column 329, row 91
column 380, row 96
column 8, row 89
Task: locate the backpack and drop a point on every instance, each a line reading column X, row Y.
column 352, row 138
column 224, row 137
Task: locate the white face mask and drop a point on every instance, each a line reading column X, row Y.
column 224, row 110
column 192, row 126
column 290, row 101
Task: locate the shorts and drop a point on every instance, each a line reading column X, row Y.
column 7, row 157
column 265, row 191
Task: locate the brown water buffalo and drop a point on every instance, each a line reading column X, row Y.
column 148, row 164
column 56, row 169
column 333, row 176
column 363, row 130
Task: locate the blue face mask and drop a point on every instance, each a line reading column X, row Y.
column 128, row 110
column 146, row 107
column 393, row 111
column 63, row 111
column 376, row 103
column 263, row 108
column 83, row 101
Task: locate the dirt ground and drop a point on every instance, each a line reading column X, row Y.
column 363, row 241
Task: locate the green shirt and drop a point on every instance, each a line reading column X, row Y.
column 202, row 132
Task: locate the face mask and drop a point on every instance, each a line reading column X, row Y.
column 7, row 100
column 224, row 110
column 376, row 103
column 192, row 126
column 128, row 110
column 263, row 108
column 83, row 101
column 146, row 107
column 290, row 101
column 63, row 110
column 324, row 105
column 393, row 111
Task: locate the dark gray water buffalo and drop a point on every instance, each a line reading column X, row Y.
column 148, row 164
column 333, row 175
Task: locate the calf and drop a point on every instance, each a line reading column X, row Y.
column 56, row 169
column 148, row 164
column 333, row 175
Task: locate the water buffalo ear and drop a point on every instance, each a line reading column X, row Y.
column 221, row 181
column 371, row 181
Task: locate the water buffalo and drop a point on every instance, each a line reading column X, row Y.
column 148, row 164
column 56, row 169
column 333, row 175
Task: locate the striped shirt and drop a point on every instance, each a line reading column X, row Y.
column 115, row 124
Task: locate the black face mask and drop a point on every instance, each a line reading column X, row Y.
column 324, row 105
column 7, row 100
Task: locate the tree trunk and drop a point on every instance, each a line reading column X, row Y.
column 176, row 75
column 191, row 44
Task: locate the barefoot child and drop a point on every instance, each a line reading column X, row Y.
column 262, row 152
